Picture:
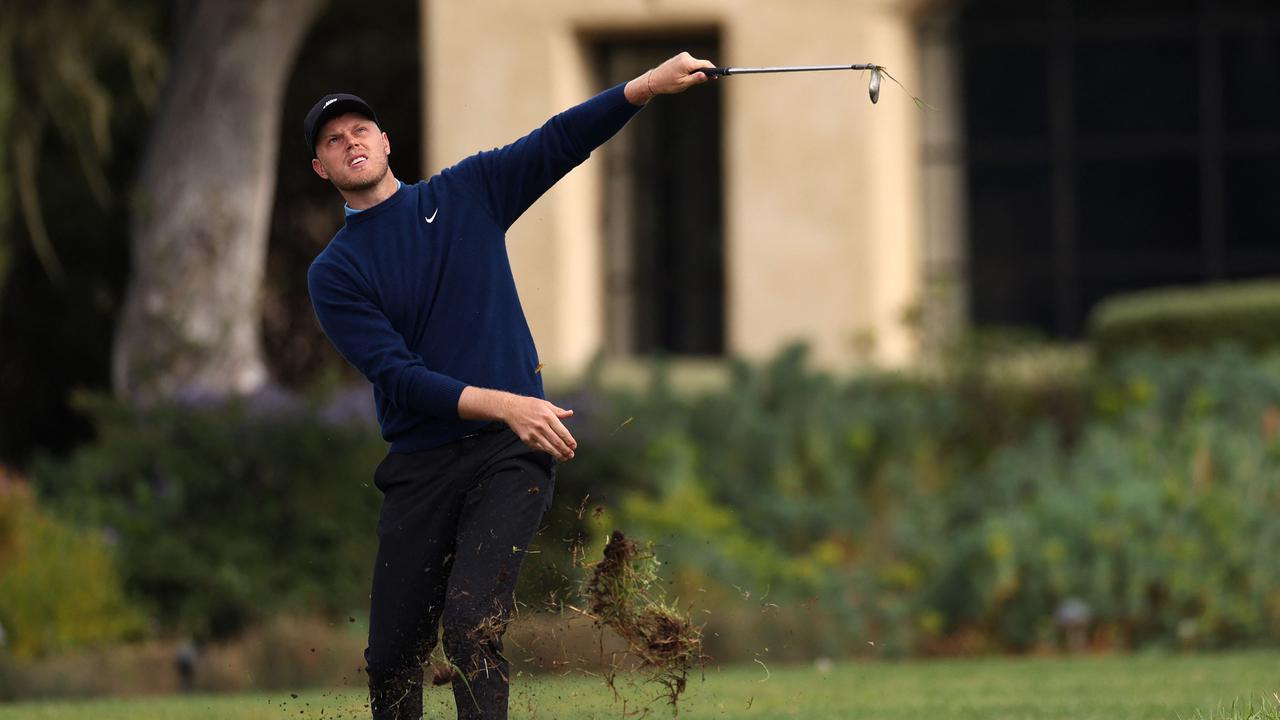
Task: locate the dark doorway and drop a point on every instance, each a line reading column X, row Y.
column 1113, row 146
column 664, row 223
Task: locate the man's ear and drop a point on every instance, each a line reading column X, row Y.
column 315, row 165
column 387, row 142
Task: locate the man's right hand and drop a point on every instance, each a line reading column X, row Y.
column 535, row 421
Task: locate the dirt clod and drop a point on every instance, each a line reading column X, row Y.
column 624, row 596
column 442, row 675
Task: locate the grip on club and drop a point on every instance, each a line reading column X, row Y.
column 712, row 71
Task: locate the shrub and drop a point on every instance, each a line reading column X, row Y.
column 1188, row 318
column 227, row 515
column 958, row 510
column 1161, row 518
column 796, row 485
column 933, row 512
column 59, row 589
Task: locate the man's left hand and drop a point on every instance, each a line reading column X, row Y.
column 673, row 76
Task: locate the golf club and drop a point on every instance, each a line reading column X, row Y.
column 873, row 87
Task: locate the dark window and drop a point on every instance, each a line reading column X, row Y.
column 1251, row 80
column 664, row 226
column 1114, row 145
column 1253, row 209
column 1009, row 224
column 1134, row 85
column 1138, row 205
column 1012, row 103
column 1147, row 10
column 998, row 11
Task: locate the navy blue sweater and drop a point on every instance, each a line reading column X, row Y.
column 417, row 291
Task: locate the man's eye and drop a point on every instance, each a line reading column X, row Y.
column 333, row 140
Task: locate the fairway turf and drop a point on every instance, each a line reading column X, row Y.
column 1105, row 688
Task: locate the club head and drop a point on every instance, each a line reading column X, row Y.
column 873, row 87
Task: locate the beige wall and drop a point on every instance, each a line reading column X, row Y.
column 822, row 189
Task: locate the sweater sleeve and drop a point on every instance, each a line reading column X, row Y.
column 364, row 336
column 511, row 178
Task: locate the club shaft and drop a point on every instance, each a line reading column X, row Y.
column 792, row 68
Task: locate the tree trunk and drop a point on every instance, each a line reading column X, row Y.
column 191, row 322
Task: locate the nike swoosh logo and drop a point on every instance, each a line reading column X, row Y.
column 433, row 216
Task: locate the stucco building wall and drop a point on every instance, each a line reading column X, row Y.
column 822, row 190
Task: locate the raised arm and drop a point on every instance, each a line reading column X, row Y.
column 511, row 178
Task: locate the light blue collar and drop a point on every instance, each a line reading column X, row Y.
column 352, row 211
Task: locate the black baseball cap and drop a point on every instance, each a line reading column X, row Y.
column 329, row 107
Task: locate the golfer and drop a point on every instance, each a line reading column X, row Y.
column 416, row 292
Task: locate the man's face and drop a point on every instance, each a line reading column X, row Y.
column 351, row 152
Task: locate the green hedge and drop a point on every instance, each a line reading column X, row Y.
column 799, row 486
column 1161, row 516
column 226, row 515
column 956, row 512
column 951, row 511
column 1247, row 314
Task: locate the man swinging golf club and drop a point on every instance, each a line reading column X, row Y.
column 416, row 292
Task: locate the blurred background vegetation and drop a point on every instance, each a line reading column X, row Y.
column 1006, row 495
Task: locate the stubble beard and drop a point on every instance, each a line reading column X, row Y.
column 362, row 185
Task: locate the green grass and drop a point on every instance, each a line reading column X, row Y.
column 1244, row 710
column 1107, row 688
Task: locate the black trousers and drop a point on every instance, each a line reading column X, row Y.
column 454, row 527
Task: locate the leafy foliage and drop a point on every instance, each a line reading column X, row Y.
column 226, row 515
column 57, row 48
column 960, row 512
column 1160, row 517
column 59, row 588
column 75, row 82
column 957, row 511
